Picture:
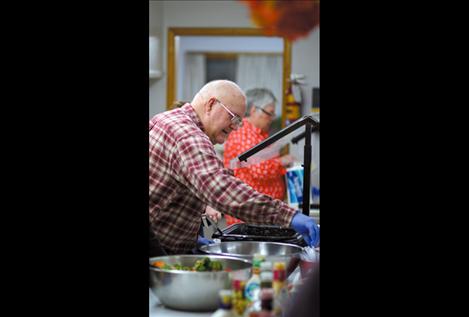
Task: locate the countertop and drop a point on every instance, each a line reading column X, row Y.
column 157, row 309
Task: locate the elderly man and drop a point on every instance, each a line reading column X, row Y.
column 186, row 175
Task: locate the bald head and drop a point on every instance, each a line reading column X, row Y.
column 220, row 89
column 215, row 104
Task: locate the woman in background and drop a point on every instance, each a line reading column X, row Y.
column 266, row 177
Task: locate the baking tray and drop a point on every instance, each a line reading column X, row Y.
column 249, row 232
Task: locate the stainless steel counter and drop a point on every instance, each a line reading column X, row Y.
column 158, row 310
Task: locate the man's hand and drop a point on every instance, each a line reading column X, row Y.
column 203, row 241
column 212, row 213
column 307, row 228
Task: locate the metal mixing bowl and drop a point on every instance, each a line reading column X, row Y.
column 194, row 291
column 273, row 251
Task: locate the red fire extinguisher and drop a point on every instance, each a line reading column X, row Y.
column 293, row 107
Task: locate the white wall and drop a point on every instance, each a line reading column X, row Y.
column 305, row 60
column 165, row 14
column 157, row 93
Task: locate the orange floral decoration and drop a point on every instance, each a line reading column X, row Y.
column 290, row 19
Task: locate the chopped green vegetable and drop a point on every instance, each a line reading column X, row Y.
column 202, row 265
column 167, row 267
column 216, row 266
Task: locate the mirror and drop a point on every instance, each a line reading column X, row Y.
column 243, row 55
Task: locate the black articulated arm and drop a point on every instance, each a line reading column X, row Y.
column 311, row 126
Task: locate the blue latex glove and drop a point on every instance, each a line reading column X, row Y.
column 307, row 228
column 203, row 241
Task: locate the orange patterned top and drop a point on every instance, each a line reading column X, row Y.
column 266, row 177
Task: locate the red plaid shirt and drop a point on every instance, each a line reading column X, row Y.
column 186, row 175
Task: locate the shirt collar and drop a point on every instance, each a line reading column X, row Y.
column 252, row 127
column 187, row 108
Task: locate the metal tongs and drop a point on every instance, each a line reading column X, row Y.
column 213, row 223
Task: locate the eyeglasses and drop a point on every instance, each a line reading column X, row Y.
column 235, row 119
column 270, row 114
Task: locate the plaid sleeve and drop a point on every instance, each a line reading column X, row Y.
column 201, row 171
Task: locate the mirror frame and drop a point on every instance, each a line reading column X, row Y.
column 171, row 60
